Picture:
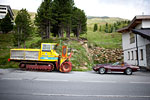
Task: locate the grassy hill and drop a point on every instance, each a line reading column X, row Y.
column 102, row 20
column 102, row 39
column 82, row 59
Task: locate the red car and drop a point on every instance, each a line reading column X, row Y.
column 117, row 67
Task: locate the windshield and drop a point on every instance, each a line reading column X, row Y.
column 46, row 47
column 117, row 63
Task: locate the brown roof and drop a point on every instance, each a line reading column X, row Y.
column 136, row 20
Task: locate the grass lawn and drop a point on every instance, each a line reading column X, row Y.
column 106, row 40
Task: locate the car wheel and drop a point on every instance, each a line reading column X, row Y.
column 128, row 71
column 102, row 70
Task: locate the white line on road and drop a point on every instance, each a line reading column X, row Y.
column 75, row 81
column 50, row 80
column 140, row 82
column 11, row 78
column 78, row 95
column 100, row 81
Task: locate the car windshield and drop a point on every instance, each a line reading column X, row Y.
column 117, row 63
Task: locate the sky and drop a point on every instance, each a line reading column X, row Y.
column 113, row 8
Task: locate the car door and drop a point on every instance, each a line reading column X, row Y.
column 116, row 67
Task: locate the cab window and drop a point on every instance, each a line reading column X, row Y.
column 46, row 47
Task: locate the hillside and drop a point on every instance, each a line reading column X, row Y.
column 102, row 20
column 94, row 50
column 101, row 39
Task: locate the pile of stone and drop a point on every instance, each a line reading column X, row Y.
column 102, row 55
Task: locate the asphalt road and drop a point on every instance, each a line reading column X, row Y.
column 26, row 85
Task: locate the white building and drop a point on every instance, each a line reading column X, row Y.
column 4, row 9
column 136, row 41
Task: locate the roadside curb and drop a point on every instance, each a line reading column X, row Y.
column 5, row 71
column 144, row 69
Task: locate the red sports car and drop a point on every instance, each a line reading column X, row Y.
column 117, row 67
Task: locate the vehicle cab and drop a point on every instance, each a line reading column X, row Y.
column 48, row 52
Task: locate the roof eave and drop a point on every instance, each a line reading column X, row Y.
column 136, row 20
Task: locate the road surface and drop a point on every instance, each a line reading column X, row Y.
column 27, row 85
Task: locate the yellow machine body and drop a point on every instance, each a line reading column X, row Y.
column 47, row 53
column 45, row 58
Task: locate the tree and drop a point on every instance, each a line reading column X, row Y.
column 100, row 28
column 69, row 14
column 63, row 10
column 43, row 18
column 79, row 22
column 106, row 28
column 95, row 28
column 23, row 27
column 6, row 24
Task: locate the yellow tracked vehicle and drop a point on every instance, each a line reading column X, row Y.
column 46, row 58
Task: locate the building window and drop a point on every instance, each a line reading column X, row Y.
column 132, row 38
column 2, row 8
column 136, row 54
column 132, row 55
column 141, row 54
column 3, row 12
column 128, row 55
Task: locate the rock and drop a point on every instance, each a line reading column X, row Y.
column 103, row 55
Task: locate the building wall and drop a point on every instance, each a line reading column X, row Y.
column 144, row 61
column 130, row 56
column 148, row 55
column 126, row 41
column 131, row 48
column 3, row 12
column 130, row 59
column 145, row 23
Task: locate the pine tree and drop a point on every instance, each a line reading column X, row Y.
column 23, row 27
column 79, row 22
column 6, row 24
column 63, row 10
column 69, row 13
column 100, row 28
column 43, row 18
column 106, row 28
column 95, row 28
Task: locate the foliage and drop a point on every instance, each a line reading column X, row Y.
column 62, row 10
column 95, row 27
column 109, row 28
column 5, row 45
column 32, row 14
column 61, row 17
column 43, row 18
column 23, row 27
column 79, row 22
column 6, row 25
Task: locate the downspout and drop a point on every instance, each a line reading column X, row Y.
column 137, row 51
